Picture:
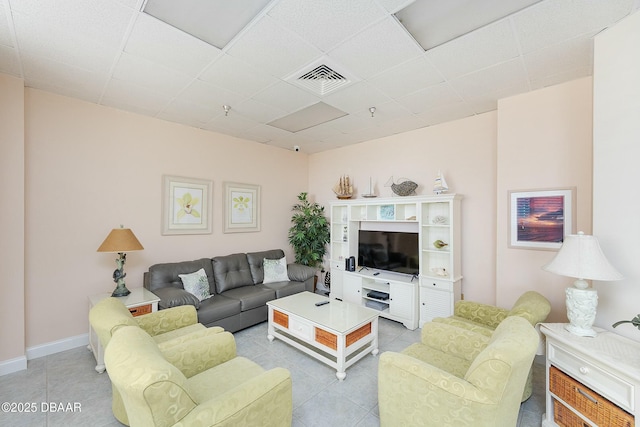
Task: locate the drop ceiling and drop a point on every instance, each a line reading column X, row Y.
column 110, row 52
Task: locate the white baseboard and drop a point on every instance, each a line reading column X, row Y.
column 57, row 346
column 13, row 365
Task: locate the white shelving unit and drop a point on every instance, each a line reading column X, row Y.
column 412, row 300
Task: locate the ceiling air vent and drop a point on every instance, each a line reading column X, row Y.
column 320, row 78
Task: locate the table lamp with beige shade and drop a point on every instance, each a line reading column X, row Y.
column 120, row 240
column 582, row 258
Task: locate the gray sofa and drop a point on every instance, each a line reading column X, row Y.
column 235, row 281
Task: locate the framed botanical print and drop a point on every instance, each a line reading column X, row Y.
column 242, row 207
column 186, row 205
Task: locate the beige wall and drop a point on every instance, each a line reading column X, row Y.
column 465, row 152
column 91, row 168
column 544, row 141
column 12, row 164
column 616, row 173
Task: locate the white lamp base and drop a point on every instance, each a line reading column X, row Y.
column 581, row 311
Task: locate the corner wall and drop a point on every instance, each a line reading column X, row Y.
column 616, row 131
column 12, row 219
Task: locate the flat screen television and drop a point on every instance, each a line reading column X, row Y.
column 389, row 250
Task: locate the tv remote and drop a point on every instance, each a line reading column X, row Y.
column 318, row 304
column 376, row 273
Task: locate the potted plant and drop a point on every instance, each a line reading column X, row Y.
column 309, row 233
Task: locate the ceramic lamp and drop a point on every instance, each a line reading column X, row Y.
column 582, row 258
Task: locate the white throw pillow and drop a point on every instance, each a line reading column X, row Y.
column 275, row 270
column 196, row 284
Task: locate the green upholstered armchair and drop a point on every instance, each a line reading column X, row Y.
column 427, row 384
column 484, row 319
column 167, row 327
column 229, row 391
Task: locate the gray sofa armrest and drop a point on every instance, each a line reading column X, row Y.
column 173, row 297
column 299, row 272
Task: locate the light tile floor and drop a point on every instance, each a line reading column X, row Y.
column 319, row 399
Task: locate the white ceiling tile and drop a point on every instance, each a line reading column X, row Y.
column 394, row 6
column 196, row 115
column 286, row 97
column 62, row 45
column 384, row 112
column 258, row 111
column 5, row 30
column 560, row 57
column 565, row 76
column 104, row 22
column 510, row 74
column 199, row 92
column 142, row 72
column 445, row 113
column 376, row 49
column 62, row 75
column 120, row 94
column 272, row 48
column 266, row 133
column 430, row 97
column 552, row 21
column 71, row 92
column 9, row 62
column 358, row 96
column 322, row 132
column 232, row 122
column 237, row 76
column 326, row 23
column 480, row 49
column 350, row 123
column 402, row 124
column 166, row 45
column 406, row 78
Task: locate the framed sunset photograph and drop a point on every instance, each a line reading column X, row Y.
column 539, row 219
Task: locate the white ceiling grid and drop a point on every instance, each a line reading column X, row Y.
column 111, row 53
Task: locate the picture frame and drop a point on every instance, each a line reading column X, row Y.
column 539, row 219
column 242, row 208
column 186, row 205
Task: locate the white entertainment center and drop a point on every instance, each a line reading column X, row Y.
column 406, row 298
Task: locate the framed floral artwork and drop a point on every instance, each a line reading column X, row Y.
column 539, row 219
column 242, row 207
column 186, row 205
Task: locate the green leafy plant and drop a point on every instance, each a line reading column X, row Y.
column 309, row 233
column 635, row 322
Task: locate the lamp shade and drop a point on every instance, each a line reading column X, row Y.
column 120, row 240
column 581, row 257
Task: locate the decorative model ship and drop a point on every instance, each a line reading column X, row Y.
column 344, row 188
column 440, row 185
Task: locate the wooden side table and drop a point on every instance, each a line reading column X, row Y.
column 591, row 381
column 140, row 301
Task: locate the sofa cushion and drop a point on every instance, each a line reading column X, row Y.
column 275, row 270
column 251, row 296
column 256, row 262
column 284, row 289
column 219, row 307
column 196, row 283
column 163, row 275
column 231, row 271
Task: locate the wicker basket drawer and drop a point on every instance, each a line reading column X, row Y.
column 326, row 338
column 140, row 310
column 585, row 401
column 619, row 391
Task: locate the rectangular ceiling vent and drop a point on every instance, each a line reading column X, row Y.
column 321, row 78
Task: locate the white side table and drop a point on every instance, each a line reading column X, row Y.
column 140, row 301
column 590, row 381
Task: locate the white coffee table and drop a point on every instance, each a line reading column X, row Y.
column 337, row 334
